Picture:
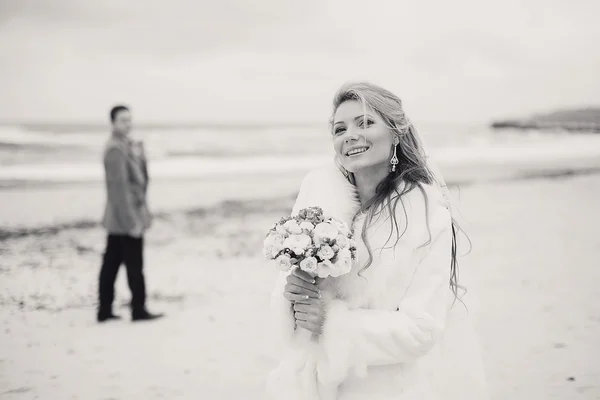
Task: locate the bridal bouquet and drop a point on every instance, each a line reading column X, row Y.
column 316, row 244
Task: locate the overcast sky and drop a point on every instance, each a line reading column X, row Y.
column 267, row 60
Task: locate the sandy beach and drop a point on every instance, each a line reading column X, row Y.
column 532, row 277
column 231, row 104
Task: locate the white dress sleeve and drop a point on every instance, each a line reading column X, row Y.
column 282, row 315
column 354, row 339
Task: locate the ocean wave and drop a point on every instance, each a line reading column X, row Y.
column 174, row 168
column 202, row 166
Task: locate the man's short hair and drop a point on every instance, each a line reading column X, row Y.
column 116, row 110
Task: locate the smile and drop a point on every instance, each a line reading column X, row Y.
column 356, row 150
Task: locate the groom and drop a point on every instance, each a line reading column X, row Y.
column 126, row 218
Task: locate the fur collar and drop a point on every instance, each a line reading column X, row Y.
column 328, row 188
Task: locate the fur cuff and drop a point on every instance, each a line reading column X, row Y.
column 282, row 319
column 339, row 355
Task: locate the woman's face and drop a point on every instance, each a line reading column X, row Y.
column 360, row 141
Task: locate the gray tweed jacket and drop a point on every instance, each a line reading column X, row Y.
column 126, row 188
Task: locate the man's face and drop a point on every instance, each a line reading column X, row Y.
column 122, row 123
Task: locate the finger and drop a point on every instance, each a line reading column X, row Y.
column 308, row 302
column 302, row 284
column 304, row 301
column 305, row 276
column 310, row 318
column 294, row 280
column 300, row 316
column 298, row 298
column 309, row 326
column 302, row 291
column 308, row 306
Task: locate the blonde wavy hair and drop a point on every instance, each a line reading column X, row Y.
column 412, row 171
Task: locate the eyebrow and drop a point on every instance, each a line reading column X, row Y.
column 355, row 118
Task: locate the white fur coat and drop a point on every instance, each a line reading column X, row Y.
column 393, row 332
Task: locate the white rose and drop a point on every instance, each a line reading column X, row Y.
column 267, row 251
column 307, row 226
column 343, row 264
column 341, row 226
column 284, row 263
column 273, row 244
column 326, row 252
column 281, row 230
column 344, row 254
column 274, row 239
column 309, row 265
column 278, row 240
column 342, row 241
column 292, row 227
column 325, row 230
column 298, row 243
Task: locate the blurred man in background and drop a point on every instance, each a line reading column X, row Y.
column 126, row 218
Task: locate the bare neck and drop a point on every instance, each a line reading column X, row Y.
column 366, row 181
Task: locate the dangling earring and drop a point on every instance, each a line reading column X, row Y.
column 394, row 161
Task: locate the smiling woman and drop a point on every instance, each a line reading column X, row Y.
column 353, row 124
column 370, row 129
column 392, row 327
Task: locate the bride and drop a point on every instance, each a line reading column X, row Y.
column 396, row 327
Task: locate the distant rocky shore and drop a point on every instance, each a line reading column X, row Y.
column 577, row 120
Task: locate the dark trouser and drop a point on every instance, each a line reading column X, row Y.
column 122, row 249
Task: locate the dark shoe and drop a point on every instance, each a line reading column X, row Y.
column 105, row 317
column 144, row 316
